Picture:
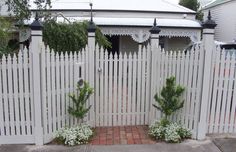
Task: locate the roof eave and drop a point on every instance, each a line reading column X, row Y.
column 214, row 5
column 107, row 10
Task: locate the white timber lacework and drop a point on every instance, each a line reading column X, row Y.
column 141, row 35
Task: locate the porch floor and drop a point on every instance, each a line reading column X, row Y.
column 121, row 135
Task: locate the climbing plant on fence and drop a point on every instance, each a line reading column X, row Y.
column 70, row 36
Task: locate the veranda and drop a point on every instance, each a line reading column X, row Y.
column 34, row 87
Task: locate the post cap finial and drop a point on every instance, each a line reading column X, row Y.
column 155, row 22
column 155, row 29
column 209, row 15
column 36, row 16
column 91, row 11
column 36, row 25
column 209, row 23
column 92, row 26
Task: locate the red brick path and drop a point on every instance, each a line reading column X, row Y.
column 121, row 135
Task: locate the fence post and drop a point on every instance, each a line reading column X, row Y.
column 208, row 44
column 36, row 43
column 91, row 59
column 155, row 55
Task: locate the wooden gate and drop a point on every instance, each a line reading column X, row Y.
column 122, row 83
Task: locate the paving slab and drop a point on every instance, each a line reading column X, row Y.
column 226, row 144
column 187, row 146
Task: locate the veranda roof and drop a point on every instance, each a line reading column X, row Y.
column 118, row 5
column 100, row 21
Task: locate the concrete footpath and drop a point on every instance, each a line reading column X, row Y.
column 187, row 146
column 225, row 144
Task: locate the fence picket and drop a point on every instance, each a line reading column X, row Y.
column 67, row 87
column 186, row 69
column 101, row 88
column 57, row 89
column 225, row 91
column 232, row 122
column 143, row 80
column 134, row 74
column 124, row 90
column 229, row 94
column 2, row 131
column 115, row 101
column 54, row 118
column 130, row 69
column 62, row 91
column 44, row 97
column 5, row 92
column 106, row 89
column 49, row 92
column 27, row 101
column 110, row 90
column 10, row 94
column 21, row 92
column 213, row 111
column 147, row 99
column 182, row 74
column 194, row 90
column 120, row 89
column 97, row 81
column 139, row 75
column 219, row 95
column 15, row 90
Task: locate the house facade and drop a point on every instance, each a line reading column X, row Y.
column 223, row 12
column 127, row 23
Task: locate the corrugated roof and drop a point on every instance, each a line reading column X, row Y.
column 121, row 5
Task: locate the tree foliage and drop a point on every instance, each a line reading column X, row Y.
column 5, row 35
column 79, row 110
column 169, row 100
column 20, row 8
column 193, row 5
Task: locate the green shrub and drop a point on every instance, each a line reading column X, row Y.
column 79, row 110
column 169, row 100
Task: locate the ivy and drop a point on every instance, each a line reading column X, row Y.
column 63, row 37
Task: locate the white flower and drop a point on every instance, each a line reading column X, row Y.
column 74, row 135
column 172, row 132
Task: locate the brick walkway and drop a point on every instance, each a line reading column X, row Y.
column 121, row 135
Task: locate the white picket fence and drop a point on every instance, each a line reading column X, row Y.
column 16, row 105
column 222, row 105
column 124, row 86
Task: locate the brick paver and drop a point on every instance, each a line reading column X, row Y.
column 121, row 135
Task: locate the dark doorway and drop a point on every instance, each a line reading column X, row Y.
column 115, row 44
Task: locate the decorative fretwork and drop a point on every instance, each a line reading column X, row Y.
column 141, row 35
